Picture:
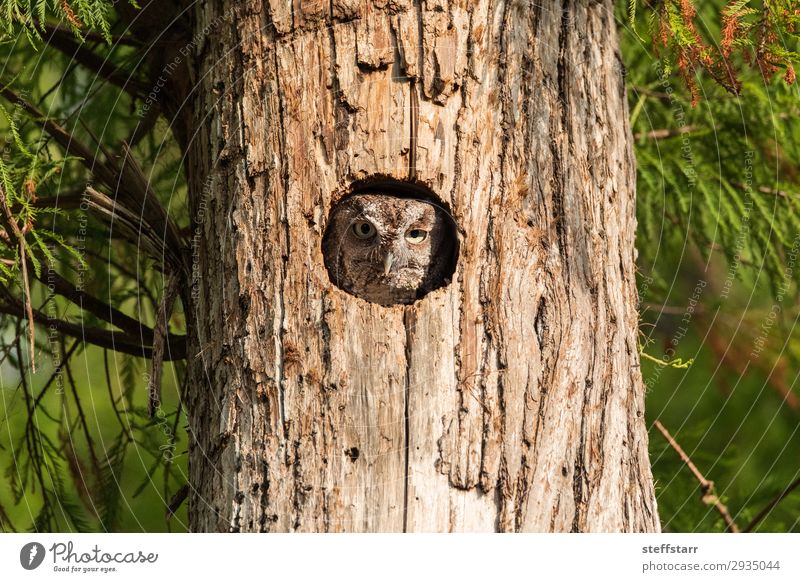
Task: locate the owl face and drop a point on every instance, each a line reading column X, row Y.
column 385, row 249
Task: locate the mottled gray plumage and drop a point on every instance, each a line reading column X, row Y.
column 387, row 249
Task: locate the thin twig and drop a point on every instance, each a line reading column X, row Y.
column 117, row 341
column 69, row 201
column 53, row 377
column 35, row 448
column 665, row 133
column 771, row 505
column 112, row 398
column 168, row 459
column 144, row 127
column 81, row 415
column 706, row 486
column 160, row 333
column 177, row 500
column 672, row 310
column 767, row 190
column 11, row 222
column 62, row 287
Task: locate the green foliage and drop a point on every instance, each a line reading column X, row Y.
column 724, row 39
column 22, row 173
column 740, row 435
column 80, row 452
column 718, row 239
column 30, row 16
column 720, row 173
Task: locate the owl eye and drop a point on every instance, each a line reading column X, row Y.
column 416, row 235
column 364, row 229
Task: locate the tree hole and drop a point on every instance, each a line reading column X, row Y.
column 390, row 242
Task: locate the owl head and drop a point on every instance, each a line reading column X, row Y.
column 388, row 249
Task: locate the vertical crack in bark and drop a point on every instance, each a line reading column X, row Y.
column 326, row 338
column 526, row 469
column 599, row 360
column 539, row 324
column 279, row 357
column 421, row 46
column 408, row 313
column 408, row 326
column 414, row 123
column 263, row 501
column 341, row 108
column 413, row 112
column 578, row 470
column 560, row 168
column 536, row 392
column 548, row 365
column 446, row 464
column 281, row 307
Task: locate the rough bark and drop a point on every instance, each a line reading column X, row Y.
column 510, row 400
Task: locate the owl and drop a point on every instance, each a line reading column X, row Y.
column 387, row 249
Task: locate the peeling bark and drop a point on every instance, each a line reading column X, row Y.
column 510, row 400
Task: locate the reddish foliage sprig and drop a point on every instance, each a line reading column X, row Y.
column 70, row 14
column 677, row 31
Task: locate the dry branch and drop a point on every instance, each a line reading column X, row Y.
column 771, row 505
column 113, row 340
column 160, row 333
column 707, row 487
column 665, row 133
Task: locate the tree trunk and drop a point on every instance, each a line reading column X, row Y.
column 509, row 400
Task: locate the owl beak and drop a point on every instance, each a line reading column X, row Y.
column 387, row 263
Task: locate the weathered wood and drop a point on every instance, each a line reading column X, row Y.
column 510, row 400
